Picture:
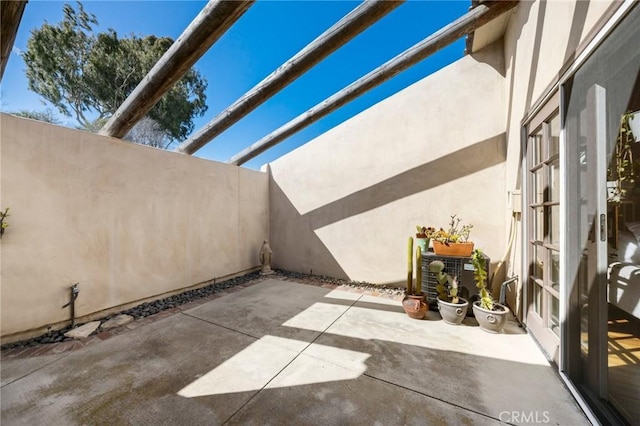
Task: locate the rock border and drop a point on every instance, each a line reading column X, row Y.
column 162, row 308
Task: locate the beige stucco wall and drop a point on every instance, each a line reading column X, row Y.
column 540, row 38
column 345, row 203
column 125, row 221
column 129, row 222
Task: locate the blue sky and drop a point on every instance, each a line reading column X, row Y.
column 268, row 34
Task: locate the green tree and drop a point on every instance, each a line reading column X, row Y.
column 83, row 74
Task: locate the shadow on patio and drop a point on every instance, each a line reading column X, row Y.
column 286, row 353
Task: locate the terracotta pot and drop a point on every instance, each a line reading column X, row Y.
column 415, row 306
column 453, row 313
column 453, row 249
column 491, row 321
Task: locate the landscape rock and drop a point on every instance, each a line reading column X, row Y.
column 149, row 308
column 117, row 321
column 83, row 331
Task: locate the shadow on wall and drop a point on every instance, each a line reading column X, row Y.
column 577, row 26
column 295, row 234
column 536, row 51
column 578, row 22
column 289, row 229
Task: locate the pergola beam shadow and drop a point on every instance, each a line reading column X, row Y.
column 210, row 24
column 360, row 18
column 466, row 24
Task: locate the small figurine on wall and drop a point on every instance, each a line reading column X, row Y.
column 265, row 258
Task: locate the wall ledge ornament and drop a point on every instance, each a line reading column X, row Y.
column 265, row 258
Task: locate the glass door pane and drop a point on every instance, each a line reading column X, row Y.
column 603, row 280
column 554, row 314
column 537, row 299
column 623, row 309
column 543, row 313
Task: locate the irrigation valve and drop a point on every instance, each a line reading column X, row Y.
column 74, row 295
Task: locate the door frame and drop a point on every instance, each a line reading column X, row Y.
column 538, row 326
column 601, row 30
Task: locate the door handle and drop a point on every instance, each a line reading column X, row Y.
column 603, row 227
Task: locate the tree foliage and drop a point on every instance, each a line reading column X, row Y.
column 148, row 132
column 46, row 115
column 82, row 73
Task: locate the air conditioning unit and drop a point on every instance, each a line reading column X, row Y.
column 461, row 267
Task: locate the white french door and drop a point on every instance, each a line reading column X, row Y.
column 543, row 227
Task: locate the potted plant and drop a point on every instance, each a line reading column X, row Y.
column 491, row 316
column 452, row 308
column 423, row 237
column 454, row 241
column 622, row 175
column 414, row 303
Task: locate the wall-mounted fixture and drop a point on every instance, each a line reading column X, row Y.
column 3, row 224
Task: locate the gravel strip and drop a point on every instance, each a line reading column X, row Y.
column 149, row 308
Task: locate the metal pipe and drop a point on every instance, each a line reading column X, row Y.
column 512, row 236
column 74, row 295
column 503, row 291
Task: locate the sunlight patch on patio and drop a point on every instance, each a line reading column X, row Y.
column 316, row 317
column 366, row 321
column 255, row 366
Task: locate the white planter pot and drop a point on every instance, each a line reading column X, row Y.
column 453, row 313
column 491, row 321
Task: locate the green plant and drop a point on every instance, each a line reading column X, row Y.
column 622, row 172
column 480, row 277
column 410, row 267
column 424, row 231
column 418, row 290
column 447, row 286
column 3, row 224
column 456, row 233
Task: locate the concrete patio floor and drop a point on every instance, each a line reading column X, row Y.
column 283, row 353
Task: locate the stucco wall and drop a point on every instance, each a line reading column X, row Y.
column 540, row 38
column 345, row 203
column 125, row 221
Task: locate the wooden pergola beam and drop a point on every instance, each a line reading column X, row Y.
column 10, row 17
column 469, row 41
column 443, row 37
column 362, row 17
column 210, row 24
